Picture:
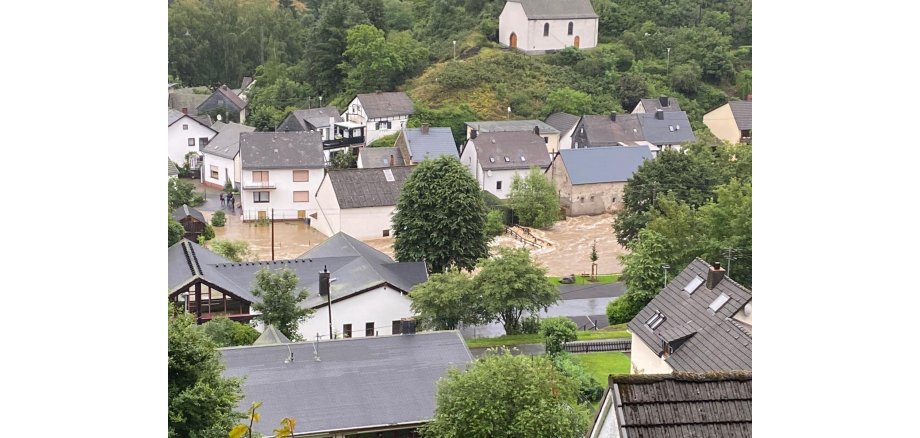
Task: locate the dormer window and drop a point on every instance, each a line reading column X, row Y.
column 655, row 320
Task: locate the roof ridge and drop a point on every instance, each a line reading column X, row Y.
column 682, row 376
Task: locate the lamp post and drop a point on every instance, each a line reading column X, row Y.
column 509, row 113
column 668, row 71
column 321, row 101
column 455, row 50
column 665, row 267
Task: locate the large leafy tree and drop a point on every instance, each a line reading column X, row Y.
column 510, row 284
column 440, row 217
column 176, row 231
column 568, row 100
column 501, row 395
column 280, row 304
column 225, row 332
column 374, row 62
column 534, row 199
column 233, row 250
column 445, row 301
column 327, row 40
column 201, row 402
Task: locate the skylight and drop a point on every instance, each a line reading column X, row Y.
column 491, row 159
column 693, row 284
column 388, row 174
column 507, row 159
column 719, row 302
column 671, row 128
column 655, row 320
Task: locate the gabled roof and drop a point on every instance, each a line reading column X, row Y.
column 173, row 116
column 652, row 105
column 281, row 150
column 680, row 405
column 173, row 170
column 556, row 9
column 674, row 128
column 510, row 150
column 358, row 188
column 742, row 111
column 379, row 105
column 271, row 336
column 438, row 141
column 230, row 96
column 512, row 126
column 564, row 122
column 717, row 344
column 186, row 99
column 372, row 158
column 226, row 143
column 318, row 117
column 204, row 119
column 356, row 383
column 603, row 164
column 189, row 261
column 184, row 211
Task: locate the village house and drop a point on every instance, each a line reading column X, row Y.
column 221, row 162
column 313, row 119
column 186, row 135
column 565, row 124
column 280, row 174
column 591, row 180
column 538, row 26
column 419, row 144
column 359, row 202
column 701, row 321
column 494, row 158
column 663, row 103
column 357, row 388
column 658, row 131
column 549, row 134
column 373, row 158
column 731, row 122
column 192, row 220
column 197, row 286
column 381, row 114
column 225, row 101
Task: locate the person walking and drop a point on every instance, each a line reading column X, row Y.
column 232, row 202
column 221, row 199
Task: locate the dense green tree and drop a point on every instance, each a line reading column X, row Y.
column 440, row 217
column 182, row 192
column 643, row 276
column 510, row 284
column 556, row 331
column 345, row 160
column 233, row 250
column 326, row 43
column 176, row 231
column 279, row 88
column 686, row 78
column 369, row 64
column 534, row 199
column 631, row 88
column 225, row 332
column 727, row 223
column 452, row 116
column 568, row 100
column 445, row 301
column 501, row 395
column 494, row 224
column 589, row 390
column 280, row 301
column 201, row 401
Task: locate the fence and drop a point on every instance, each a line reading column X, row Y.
column 525, row 236
column 279, row 214
column 622, row 345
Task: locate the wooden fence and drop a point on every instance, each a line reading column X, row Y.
column 622, row 345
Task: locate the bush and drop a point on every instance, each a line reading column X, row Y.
column 176, row 231
column 495, row 224
column 234, row 250
column 589, row 390
column 623, row 309
column 225, row 332
column 386, row 141
column 219, row 218
column 208, row 233
column 557, row 331
column 530, row 325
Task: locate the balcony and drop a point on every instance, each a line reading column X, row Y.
column 342, row 142
column 258, row 185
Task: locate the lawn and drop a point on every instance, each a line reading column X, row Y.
column 601, row 279
column 612, row 332
column 599, row 365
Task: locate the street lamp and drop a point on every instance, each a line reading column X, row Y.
column 668, row 71
column 321, row 101
column 665, row 266
column 455, row 50
column 509, row 113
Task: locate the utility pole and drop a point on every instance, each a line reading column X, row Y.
column 273, row 234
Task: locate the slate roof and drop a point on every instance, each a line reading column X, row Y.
column 682, row 405
column 556, row 9
column 379, row 105
column 226, row 143
column 281, row 150
column 204, row 119
column 271, row 336
column 358, row 188
column 189, row 261
column 185, row 211
column 318, row 117
column 189, row 100
column 603, row 164
column 717, row 344
column 562, row 121
column 231, row 96
column 437, row 142
column 742, row 111
column 358, row 382
column 512, row 126
column 173, row 170
column 659, row 131
column 372, row 158
column 674, row 128
column 512, row 145
column 173, row 116
column 652, row 105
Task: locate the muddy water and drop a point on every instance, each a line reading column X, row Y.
column 292, row 238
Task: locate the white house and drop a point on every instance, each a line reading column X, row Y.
column 222, row 156
column 536, row 26
column 280, row 174
column 495, row 157
column 382, row 114
column 565, row 124
column 359, row 202
column 186, row 134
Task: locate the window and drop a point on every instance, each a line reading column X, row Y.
column 655, row 320
column 719, row 302
column 215, row 173
column 571, row 27
column 498, row 185
column 191, row 142
column 369, row 329
column 301, row 175
column 690, row 288
column 397, row 327
column 346, row 330
column 185, row 127
column 203, row 141
column 260, row 176
column 302, row 196
column 388, row 175
column 260, row 197
column 546, row 29
column 386, row 233
column 383, row 125
column 546, row 140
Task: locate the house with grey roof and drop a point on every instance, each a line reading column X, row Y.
column 541, row 26
column 549, row 134
column 186, row 137
column 373, row 158
column 565, row 124
column 359, row 202
column 419, row 144
column 731, row 122
column 663, row 103
column 701, row 321
column 186, row 100
column 221, row 157
column 381, row 114
column 368, row 387
column 192, row 220
column 659, row 130
column 173, row 170
column 494, row 158
column 281, row 172
column 592, row 180
column 312, row 119
column 196, row 286
column 226, row 102
column 676, row 405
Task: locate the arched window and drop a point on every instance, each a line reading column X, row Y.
column 546, row 29
column 571, row 27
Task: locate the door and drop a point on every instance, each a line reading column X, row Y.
column 577, row 41
column 301, row 214
column 513, row 42
column 263, row 215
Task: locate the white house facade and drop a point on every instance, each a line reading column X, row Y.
column 281, row 171
column 369, row 313
column 221, row 162
column 359, row 202
column 382, row 114
column 565, row 123
column 537, row 26
column 494, row 158
column 186, row 135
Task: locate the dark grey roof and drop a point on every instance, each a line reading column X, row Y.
column 204, row 119
column 673, row 129
column 271, row 336
column 652, row 105
column 358, row 382
column 378, row 105
column 550, row 9
column 189, row 261
column 173, row 116
column 226, row 143
column 173, row 170
column 372, row 158
column 357, row 188
column 512, row 126
column 585, row 291
column 603, row 164
column 717, row 344
column 281, row 150
column 562, row 121
column 188, row 100
column 513, row 145
column 742, row 110
column 231, row 96
column 184, row 211
column 438, row 141
column 318, row 117
column 683, row 405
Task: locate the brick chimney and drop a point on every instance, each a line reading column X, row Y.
column 659, row 114
column 425, row 127
column 392, row 160
column 716, row 274
column 613, row 117
column 536, row 130
column 185, row 111
column 663, row 100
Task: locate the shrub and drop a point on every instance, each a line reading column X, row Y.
column 557, row 331
column 176, row 231
column 208, row 233
column 225, row 332
column 623, row 309
column 530, row 324
column 219, row 218
column 495, row 225
column 235, row 250
column 589, row 390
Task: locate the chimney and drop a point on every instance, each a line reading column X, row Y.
column 659, row 114
column 224, row 87
column 185, row 111
column 473, row 134
column 324, row 282
column 536, row 130
column 613, row 117
column 665, row 351
column 425, row 128
column 748, row 98
column 407, row 325
column 716, row 274
column 392, row 160
column 663, row 100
